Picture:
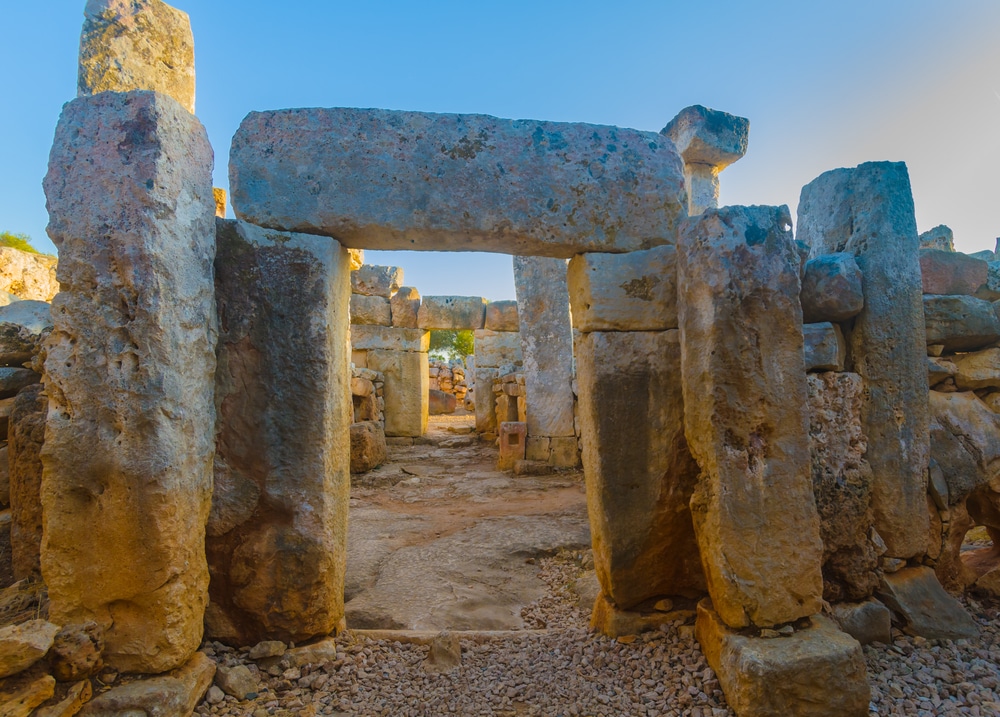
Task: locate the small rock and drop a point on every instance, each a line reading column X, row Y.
column 23, row 645
column 215, row 695
column 267, row 648
column 664, row 605
column 445, row 653
column 76, row 652
column 237, row 681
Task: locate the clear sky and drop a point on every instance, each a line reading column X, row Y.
column 825, row 85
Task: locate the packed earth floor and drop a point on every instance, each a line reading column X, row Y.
column 469, row 591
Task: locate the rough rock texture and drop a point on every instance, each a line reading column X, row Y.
column 372, row 310
column 77, row 695
column 406, row 386
column 130, row 376
column 868, row 212
column 546, row 344
column 978, row 370
column 366, row 337
column 27, row 275
column 374, row 280
column 818, row 671
column 24, row 693
column 497, row 348
column 172, row 695
column 824, row 348
column 26, row 436
column 14, row 379
column 639, row 472
column 965, row 443
column 21, row 646
column 77, row 652
column 923, row 607
column 960, row 323
column 440, row 402
column 34, row 316
column 842, row 485
column 137, row 45
column 405, row 304
column 636, row 291
column 486, row 414
column 451, row 312
column 745, row 414
column 368, row 449
column 940, row 237
column 867, row 622
column 951, row 272
column 381, row 179
column 502, row 316
column 278, row 527
column 832, row 288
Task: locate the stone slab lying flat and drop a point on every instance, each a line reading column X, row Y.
column 818, row 671
column 960, row 323
column 916, row 596
column 636, row 291
column 452, row 312
column 382, row 179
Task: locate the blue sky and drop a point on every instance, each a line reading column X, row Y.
column 825, row 85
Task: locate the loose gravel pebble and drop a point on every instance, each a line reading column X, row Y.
column 565, row 670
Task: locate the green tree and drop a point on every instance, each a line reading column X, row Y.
column 17, row 241
column 451, row 344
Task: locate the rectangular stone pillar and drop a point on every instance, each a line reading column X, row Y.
column 746, row 414
column 277, row 534
column 546, row 344
column 868, row 211
column 407, row 382
column 639, row 472
column 486, row 408
column 127, row 460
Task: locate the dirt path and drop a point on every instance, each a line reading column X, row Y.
column 439, row 539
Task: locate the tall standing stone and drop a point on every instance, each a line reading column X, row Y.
column 131, row 45
column 640, row 474
column 868, row 211
column 546, row 344
column 745, row 414
column 130, row 373
column 278, row 526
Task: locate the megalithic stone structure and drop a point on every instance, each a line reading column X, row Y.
column 547, row 348
column 868, row 211
column 746, row 414
column 277, row 534
column 127, row 460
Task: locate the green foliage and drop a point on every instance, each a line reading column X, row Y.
column 451, row 344
column 17, row 241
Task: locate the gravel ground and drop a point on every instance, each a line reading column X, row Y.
column 564, row 670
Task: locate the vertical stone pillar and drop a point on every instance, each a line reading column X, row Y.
column 277, row 532
column 547, row 347
column 868, row 211
column 746, row 414
column 127, row 460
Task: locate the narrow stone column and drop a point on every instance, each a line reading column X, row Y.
column 547, row 347
column 127, row 460
column 277, row 540
column 746, row 414
column 868, row 211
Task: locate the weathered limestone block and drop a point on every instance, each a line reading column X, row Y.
column 406, row 380
column 77, row 652
column 745, row 414
column 960, row 323
column 624, row 292
column 867, row 621
column 278, row 527
column 20, row 695
column 502, row 316
column 370, row 310
column 486, row 416
column 21, row 646
column 513, row 440
column 940, row 237
column 374, row 280
column 965, row 442
column 452, row 312
column 26, row 437
column 951, row 272
column 137, row 45
column 868, row 212
column 709, row 141
column 440, row 403
column 381, row 179
column 405, row 305
column 130, row 373
column 824, row 347
column 386, row 338
column 77, row 695
column 368, row 448
column 497, row 348
column 924, row 608
column 14, row 379
column 27, row 275
column 639, row 473
column 940, row 369
column 176, row 693
column 818, row 671
column 832, row 288
column 842, row 485
column 33, row 316
column 546, row 344
column 978, row 370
